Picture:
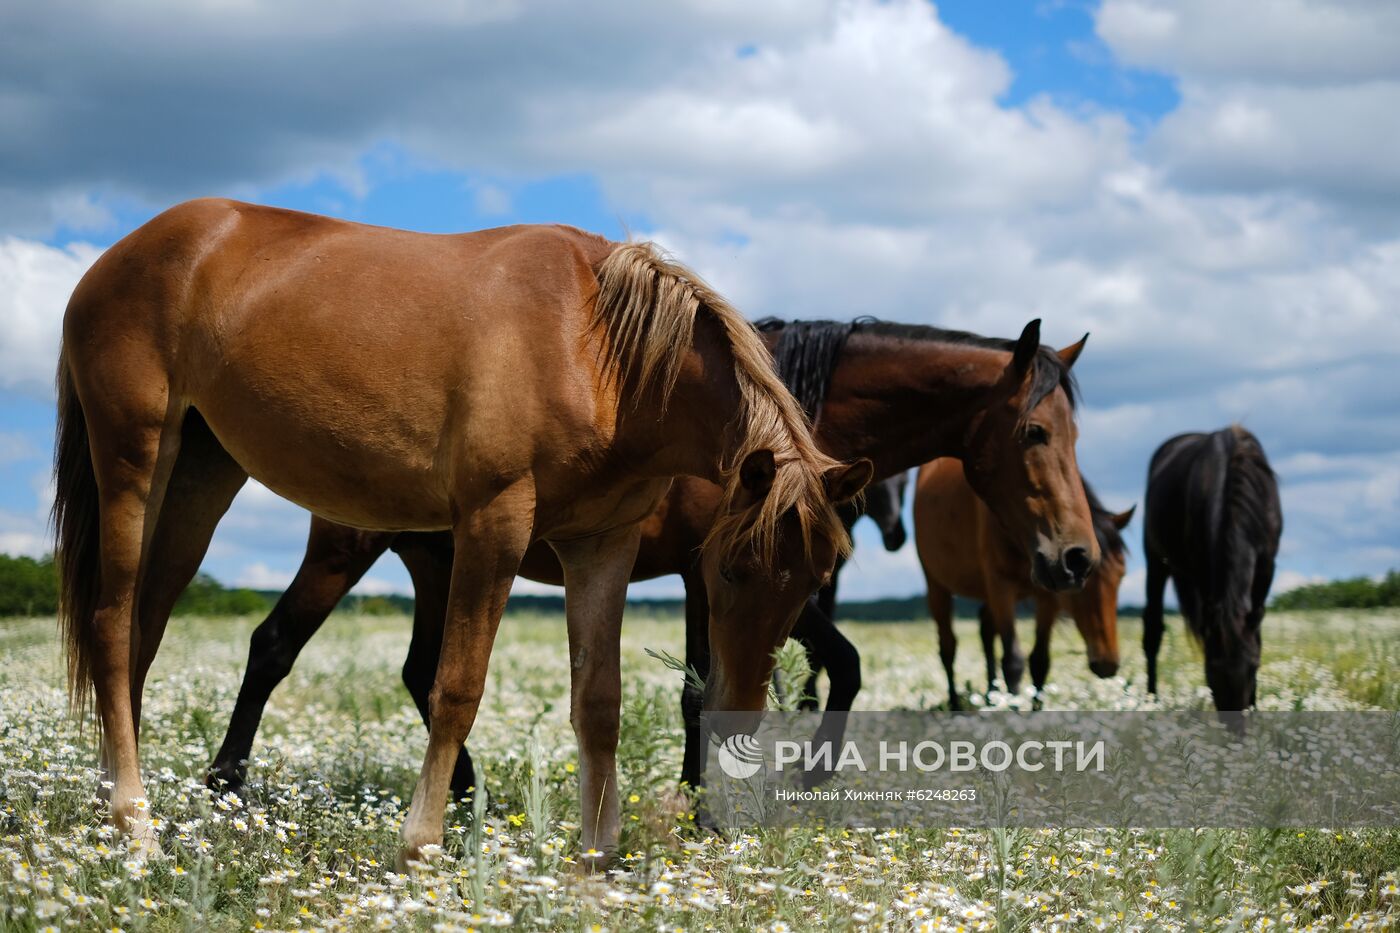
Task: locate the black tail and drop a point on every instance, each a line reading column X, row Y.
column 77, row 538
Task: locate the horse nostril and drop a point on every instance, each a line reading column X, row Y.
column 1077, row 562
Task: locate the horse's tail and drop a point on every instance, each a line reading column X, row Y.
column 1244, row 529
column 76, row 538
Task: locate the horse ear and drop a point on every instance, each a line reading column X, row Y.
column 756, row 473
column 1071, row 353
column 1027, row 346
column 1120, row 521
column 844, row 482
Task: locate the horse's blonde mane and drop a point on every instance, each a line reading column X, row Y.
column 646, row 307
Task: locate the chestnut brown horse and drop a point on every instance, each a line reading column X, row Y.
column 965, row 551
column 524, row 385
column 1212, row 526
column 898, row 394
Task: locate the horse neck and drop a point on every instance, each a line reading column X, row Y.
column 904, row 402
column 699, row 431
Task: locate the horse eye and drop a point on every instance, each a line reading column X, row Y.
column 1035, row 434
column 726, row 573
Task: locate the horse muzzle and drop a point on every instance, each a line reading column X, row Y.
column 1066, row 571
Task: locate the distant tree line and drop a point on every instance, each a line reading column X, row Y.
column 29, row 587
column 1355, row 593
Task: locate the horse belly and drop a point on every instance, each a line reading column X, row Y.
column 349, row 465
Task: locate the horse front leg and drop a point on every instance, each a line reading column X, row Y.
column 596, row 570
column 335, row 560
column 987, row 630
column 428, row 558
column 490, row 542
column 842, row 662
column 1046, row 610
column 697, row 658
column 1001, row 609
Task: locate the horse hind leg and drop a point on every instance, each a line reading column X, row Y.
column 202, row 485
column 133, row 429
column 1152, row 616
column 940, row 606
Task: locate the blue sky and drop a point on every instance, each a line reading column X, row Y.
column 1215, row 205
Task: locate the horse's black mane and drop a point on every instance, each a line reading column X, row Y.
column 805, row 355
column 807, row 352
column 1110, row 538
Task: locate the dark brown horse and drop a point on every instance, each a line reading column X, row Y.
column 899, row 394
column 1213, row 524
column 965, row 551
column 521, row 386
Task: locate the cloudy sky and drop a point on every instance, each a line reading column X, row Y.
column 1211, row 190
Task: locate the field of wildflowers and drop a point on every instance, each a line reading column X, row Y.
column 312, row 846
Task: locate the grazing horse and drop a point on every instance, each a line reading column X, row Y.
column 524, row 385
column 899, row 394
column 1213, row 523
column 965, row 551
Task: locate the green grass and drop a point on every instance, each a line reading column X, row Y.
column 314, row 844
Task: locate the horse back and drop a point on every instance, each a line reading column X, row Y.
column 357, row 370
column 1213, row 513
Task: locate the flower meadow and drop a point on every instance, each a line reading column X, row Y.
column 311, row 845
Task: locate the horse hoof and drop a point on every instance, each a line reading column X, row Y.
column 593, row 862
column 674, row 803
column 414, row 857
column 145, row 842
column 224, row 781
column 466, row 797
column 705, row 820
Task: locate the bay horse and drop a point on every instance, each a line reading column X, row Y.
column 1212, row 525
column 965, row 551
column 898, row 394
column 524, row 385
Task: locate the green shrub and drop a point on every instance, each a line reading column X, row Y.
column 28, row 587
column 1354, row 593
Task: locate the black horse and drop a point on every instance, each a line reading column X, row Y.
column 1213, row 523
